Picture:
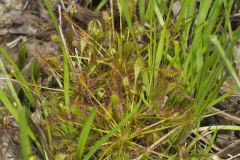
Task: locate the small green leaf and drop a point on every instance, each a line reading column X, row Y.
column 84, row 133
column 227, row 62
column 22, row 54
column 24, row 139
column 115, row 99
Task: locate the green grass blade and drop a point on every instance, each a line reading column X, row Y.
column 18, row 75
column 9, row 84
column 212, row 97
column 23, row 134
column 101, row 4
column 35, row 71
column 209, row 146
column 51, row 13
column 17, row 116
column 65, row 56
column 197, row 42
column 84, row 133
column 22, row 55
column 219, row 99
column 227, row 62
column 212, row 19
column 177, row 58
column 127, row 15
column 114, row 130
column 159, row 53
column 220, row 127
column 228, row 4
column 159, row 15
column 13, row 111
column 141, row 5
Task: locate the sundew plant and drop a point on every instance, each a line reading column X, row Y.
column 134, row 83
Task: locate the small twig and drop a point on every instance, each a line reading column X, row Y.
column 235, row 15
column 225, row 115
column 62, row 3
column 233, row 157
column 157, row 142
column 230, row 150
column 16, row 41
column 206, row 141
column 161, row 139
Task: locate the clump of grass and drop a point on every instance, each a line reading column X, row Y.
column 136, row 92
